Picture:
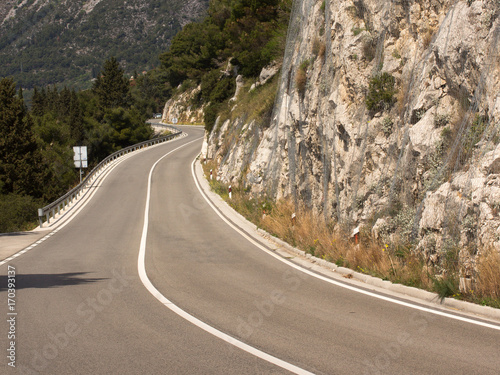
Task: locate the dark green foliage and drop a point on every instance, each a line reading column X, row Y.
column 111, row 87
column 208, row 83
column 151, row 91
column 380, row 92
column 215, row 88
column 53, row 44
column 17, row 212
column 36, row 155
column 126, row 127
column 251, row 32
column 194, row 51
column 20, row 161
column 446, row 286
column 211, row 116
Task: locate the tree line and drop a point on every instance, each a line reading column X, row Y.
column 248, row 33
column 36, row 163
column 36, row 156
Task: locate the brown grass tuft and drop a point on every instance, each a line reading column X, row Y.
column 488, row 279
column 301, row 80
column 389, row 261
column 427, row 37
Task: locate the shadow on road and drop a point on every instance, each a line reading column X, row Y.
column 16, row 234
column 48, row 280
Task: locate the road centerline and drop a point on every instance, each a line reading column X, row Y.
column 141, row 266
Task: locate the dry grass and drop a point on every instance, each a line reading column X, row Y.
column 427, row 36
column 301, row 80
column 313, row 235
column 318, row 48
column 256, row 104
column 389, row 261
column 488, row 279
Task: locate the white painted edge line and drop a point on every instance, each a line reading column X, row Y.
column 83, row 201
column 79, row 205
column 141, row 266
column 334, row 282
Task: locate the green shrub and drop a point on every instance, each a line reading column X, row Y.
column 18, row 212
column 387, row 126
column 224, row 89
column 369, row 48
column 357, row 30
column 210, row 116
column 380, row 92
column 446, row 286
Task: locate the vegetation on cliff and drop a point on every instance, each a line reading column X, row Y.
column 248, row 34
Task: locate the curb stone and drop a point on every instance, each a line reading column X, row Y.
column 406, row 291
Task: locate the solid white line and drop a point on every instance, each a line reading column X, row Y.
column 331, row 281
column 160, row 297
column 80, row 203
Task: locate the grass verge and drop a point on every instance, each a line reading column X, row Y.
column 396, row 262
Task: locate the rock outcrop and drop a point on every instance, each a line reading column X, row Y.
column 385, row 110
column 179, row 109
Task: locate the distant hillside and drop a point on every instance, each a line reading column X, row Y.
column 66, row 41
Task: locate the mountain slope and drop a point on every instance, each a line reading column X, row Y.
column 66, row 41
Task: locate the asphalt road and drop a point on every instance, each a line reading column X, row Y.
column 83, row 309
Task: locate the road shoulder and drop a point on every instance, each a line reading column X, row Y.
column 344, row 275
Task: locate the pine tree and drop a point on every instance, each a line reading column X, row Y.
column 111, row 86
column 20, row 160
column 64, row 102
column 38, row 102
column 76, row 119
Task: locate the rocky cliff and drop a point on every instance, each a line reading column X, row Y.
column 387, row 116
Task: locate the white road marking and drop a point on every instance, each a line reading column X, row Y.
column 80, row 204
column 160, row 297
column 331, row 281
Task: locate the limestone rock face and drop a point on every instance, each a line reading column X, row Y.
column 429, row 151
column 179, row 108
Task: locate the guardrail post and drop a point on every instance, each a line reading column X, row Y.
column 40, row 216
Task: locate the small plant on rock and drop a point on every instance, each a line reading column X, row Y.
column 387, row 126
column 380, row 92
column 301, row 77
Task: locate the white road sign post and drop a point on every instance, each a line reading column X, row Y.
column 80, row 158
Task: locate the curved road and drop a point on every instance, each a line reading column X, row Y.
column 83, row 309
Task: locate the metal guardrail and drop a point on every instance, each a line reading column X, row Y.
column 51, row 209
